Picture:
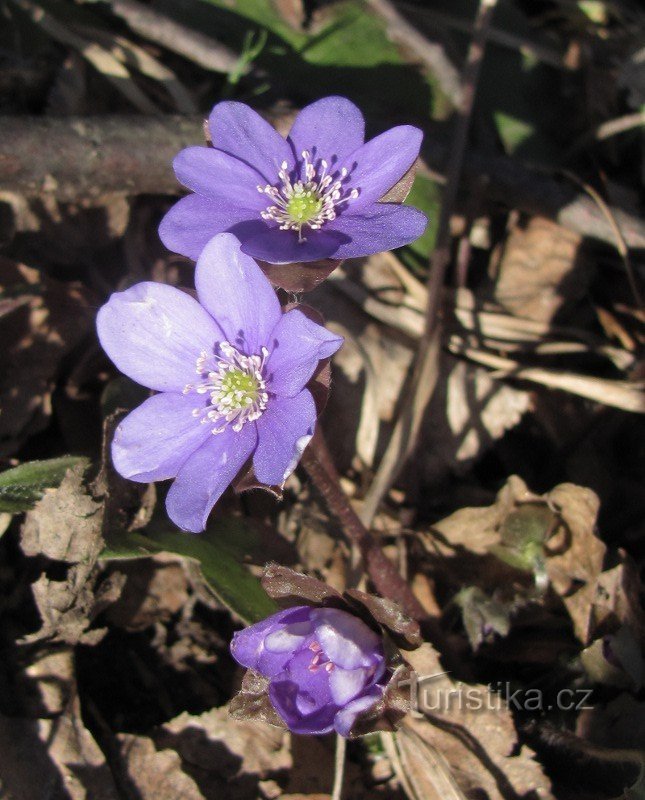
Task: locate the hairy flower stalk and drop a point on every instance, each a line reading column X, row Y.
column 316, row 195
column 231, row 369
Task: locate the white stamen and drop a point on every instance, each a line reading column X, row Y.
column 229, row 404
column 319, row 187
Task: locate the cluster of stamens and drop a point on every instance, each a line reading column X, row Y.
column 319, row 659
column 235, row 387
column 311, row 202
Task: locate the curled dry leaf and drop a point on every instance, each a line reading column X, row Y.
column 524, row 529
column 66, row 527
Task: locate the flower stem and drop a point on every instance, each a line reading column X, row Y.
column 319, row 465
column 339, row 767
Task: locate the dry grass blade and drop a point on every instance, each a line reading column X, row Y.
column 423, row 772
column 135, row 57
column 100, row 58
column 193, row 45
column 424, row 379
column 629, row 396
column 431, row 54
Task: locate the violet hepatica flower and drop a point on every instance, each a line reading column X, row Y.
column 231, row 370
column 325, row 666
column 312, row 196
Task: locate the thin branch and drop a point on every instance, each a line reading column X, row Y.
column 426, row 373
column 87, row 157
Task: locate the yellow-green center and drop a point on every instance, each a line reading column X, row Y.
column 304, row 206
column 240, row 387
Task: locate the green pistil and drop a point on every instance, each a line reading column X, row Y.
column 304, row 206
column 241, row 387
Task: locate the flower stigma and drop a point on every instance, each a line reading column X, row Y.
column 308, row 203
column 234, row 385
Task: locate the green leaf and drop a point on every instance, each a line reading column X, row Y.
column 217, row 555
column 22, row 487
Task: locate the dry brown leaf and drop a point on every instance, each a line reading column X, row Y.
column 617, row 600
column 480, row 746
column 478, row 529
column 35, row 336
column 539, row 271
column 155, row 774
column 65, row 525
column 211, row 755
column 575, row 553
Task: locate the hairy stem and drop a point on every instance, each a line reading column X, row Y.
column 318, row 464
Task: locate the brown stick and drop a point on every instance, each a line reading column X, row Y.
column 77, row 159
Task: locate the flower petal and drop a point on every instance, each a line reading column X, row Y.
column 206, row 474
column 232, row 288
column 296, row 346
column 241, row 132
column 282, row 247
column 284, row 430
column 380, row 163
column 346, row 717
column 331, row 128
column 346, row 639
column 345, row 684
column 154, row 334
column 193, row 221
column 285, row 698
column 217, row 175
column 248, row 648
column 153, row 441
column 384, row 226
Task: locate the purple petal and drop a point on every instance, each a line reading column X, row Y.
column 346, row 639
column 346, row 717
column 218, row 175
column 206, row 474
column 331, row 128
column 284, row 430
column 193, row 221
column 384, row 226
column 241, row 132
column 232, row 288
column 297, row 345
column 283, row 247
column 286, row 699
column 380, row 163
column 301, row 695
column 154, row 334
column 247, row 646
column 345, row 684
column 153, row 441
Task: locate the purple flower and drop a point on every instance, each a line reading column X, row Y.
column 231, row 370
column 312, row 196
column 325, row 666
